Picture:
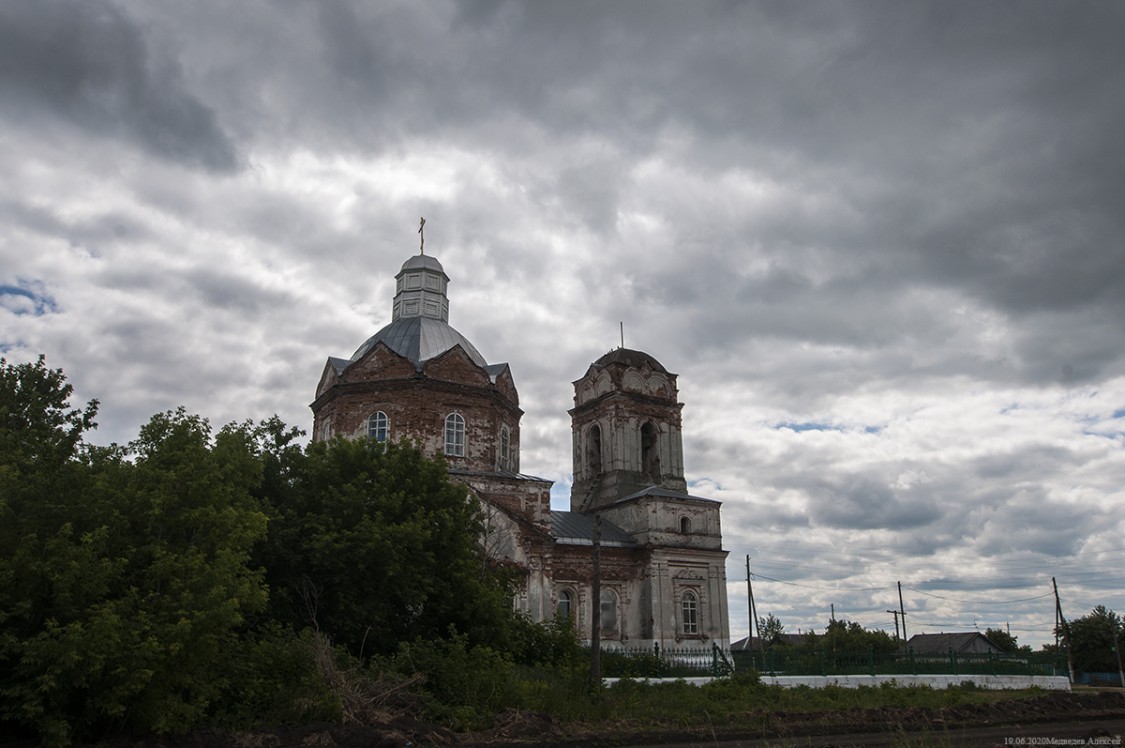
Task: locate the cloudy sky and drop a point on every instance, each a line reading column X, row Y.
column 882, row 244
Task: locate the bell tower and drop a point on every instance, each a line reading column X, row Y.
column 625, row 428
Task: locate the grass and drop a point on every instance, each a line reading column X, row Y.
column 727, row 702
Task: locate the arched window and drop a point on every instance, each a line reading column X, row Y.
column 594, row 450
column 689, row 609
column 505, row 448
column 685, row 525
column 455, row 435
column 377, row 426
column 650, row 457
column 566, row 604
column 609, row 611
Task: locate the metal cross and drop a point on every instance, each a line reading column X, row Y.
column 422, row 235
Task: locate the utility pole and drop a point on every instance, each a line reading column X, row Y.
column 596, row 607
column 753, row 611
column 902, row 611
column 895, row 614
column 833, row 618
column 1065, row 630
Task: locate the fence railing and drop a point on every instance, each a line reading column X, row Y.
column 676, row 662
column 822, row 661
column 666, row 662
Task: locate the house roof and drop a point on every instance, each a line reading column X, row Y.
column 576, row 528
column 753, row 642
column 970, row 641
column 663, row 493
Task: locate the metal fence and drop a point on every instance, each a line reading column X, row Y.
column 674, row 662
column 821, row 661
column 666, row 662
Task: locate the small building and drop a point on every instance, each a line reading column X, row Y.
column 972, row 642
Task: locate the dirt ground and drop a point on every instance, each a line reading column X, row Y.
column 1087, row 717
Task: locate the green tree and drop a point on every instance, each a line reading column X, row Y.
column 1093, row 639
column 1005, row 641
column 373, row 545
column 123, row 572
column 770, row 629
column 842, row 635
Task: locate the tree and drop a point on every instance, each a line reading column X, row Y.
column 1093, row 639
column 842, row 635
column 770, row 629
column 1004, row 641
column 123, row 574
column 372, row 544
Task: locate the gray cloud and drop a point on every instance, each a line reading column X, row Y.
column 88, row 65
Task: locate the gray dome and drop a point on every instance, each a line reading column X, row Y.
column 630, row 358
column 420, row 338
column 422, row 261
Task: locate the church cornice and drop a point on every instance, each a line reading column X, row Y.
column 419, row 381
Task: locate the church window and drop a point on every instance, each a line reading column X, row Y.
column 689, row 608
column 594, row 450
column 505, row 448
column 455, row 435
column 377, row 426
column 685, row 525
column 566, row 604
column 650, row 459
column 609, row 611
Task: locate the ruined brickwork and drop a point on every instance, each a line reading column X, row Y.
column 662, row 564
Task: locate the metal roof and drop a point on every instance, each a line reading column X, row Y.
column 664, row 493
column 629, row 357
column 575, row 528
column 420, row 339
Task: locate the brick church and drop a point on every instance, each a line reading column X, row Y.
column 663, row 577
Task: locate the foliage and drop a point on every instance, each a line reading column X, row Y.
column 770, row 629
column 1005, row 641
column 1093, row 638
column 842, row 635
column 123, row 575
column 465, row 685
column 372, row 544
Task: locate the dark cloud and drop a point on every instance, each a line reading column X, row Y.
column 88, row 64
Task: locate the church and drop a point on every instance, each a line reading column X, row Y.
column 662, row 564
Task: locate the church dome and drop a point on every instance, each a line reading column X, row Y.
column 422, row 262
column 420, row 339
column 419, row 328
column 630, row 358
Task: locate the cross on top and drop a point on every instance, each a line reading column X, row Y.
column 422, row 235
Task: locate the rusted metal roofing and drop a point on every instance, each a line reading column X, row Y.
column 575, row 528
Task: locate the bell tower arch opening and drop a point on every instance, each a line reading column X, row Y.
column 650, row 453
column 594, row 451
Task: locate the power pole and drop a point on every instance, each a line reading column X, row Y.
column 895, row 614
column 902, row 611
column 753, row 610
column 1065, row 630
column 596, row 607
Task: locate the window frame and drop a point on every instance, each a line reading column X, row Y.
column 611, row 599
column 689, row 613
column 569, row 596
column 376, row 421
column 506, row 448
column 455, row 435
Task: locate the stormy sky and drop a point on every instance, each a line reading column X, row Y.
column 881, row 243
